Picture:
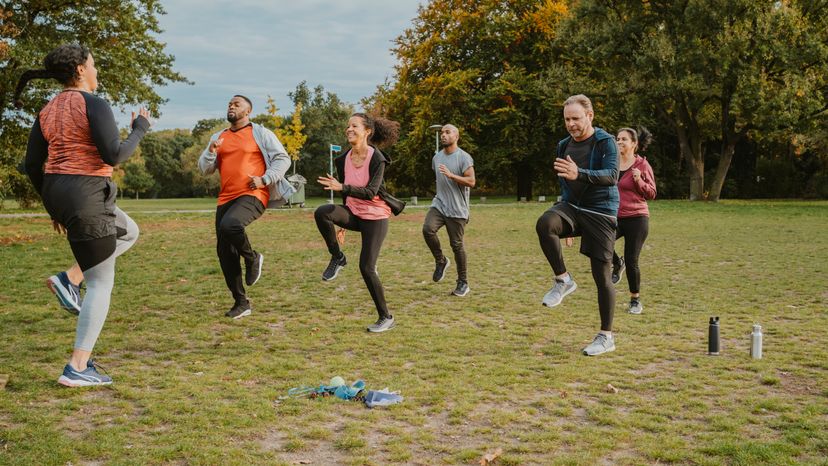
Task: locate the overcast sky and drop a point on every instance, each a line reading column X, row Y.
column 265, row 47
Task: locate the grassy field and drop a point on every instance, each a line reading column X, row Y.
column 492, row 370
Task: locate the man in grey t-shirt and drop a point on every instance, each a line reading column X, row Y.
column 455, row 177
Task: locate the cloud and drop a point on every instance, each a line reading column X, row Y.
column 267, row 47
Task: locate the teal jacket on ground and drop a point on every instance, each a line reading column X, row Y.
column 601, row 193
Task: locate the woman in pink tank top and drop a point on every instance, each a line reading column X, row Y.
column 366, row 206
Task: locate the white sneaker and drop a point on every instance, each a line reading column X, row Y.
column 601, row 344
column 554, row 296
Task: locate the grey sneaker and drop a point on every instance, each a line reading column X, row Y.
column 618, row 271
column 440, row 270
column 382, row 324
column 635, row 307
column 601, row 344
column 554, row 296
column 462, row 289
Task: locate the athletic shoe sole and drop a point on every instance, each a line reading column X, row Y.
column 608, row 350
column 383, row 330
column 258, row 272
column 56, row 287
column 567, row 293
column 336, row 272
column 243, row 314
column 67, row 382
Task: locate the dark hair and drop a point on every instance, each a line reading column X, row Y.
column 245, row 99
column 642, row 137
column 384, row 132
column 60, row 64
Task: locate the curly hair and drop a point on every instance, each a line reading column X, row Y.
column 384, row 132
column 60, row 64
column 643, row 137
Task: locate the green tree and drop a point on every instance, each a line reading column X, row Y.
column 479, row 65
column 162, row 153
column 324, row 117
column 200, row 184
column 136, row 178
column 123, row 37
column 714, row 71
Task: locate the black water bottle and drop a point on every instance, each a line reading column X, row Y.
column 713, row 337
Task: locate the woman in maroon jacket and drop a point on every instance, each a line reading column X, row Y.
column 636, row 185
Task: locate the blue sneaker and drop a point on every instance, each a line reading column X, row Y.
column 68, row 294
column 88, row 378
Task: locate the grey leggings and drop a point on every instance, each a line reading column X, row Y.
column 100, row 278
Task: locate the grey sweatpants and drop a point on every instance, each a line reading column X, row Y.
column 99, row 282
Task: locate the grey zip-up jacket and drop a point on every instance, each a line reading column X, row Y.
column 277, row 162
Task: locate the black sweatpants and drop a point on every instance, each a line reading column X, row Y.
column 373, row 234
column 552, row 226
column 634, row 230
column 232, row 242
column 455, row 227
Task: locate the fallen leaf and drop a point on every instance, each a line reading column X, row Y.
column 489, row 458
column 4, row 379
column 611, row 389
column 564, row 394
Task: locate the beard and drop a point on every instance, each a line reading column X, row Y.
column 233, row 117
column 445, row 144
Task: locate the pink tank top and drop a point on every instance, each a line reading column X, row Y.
column 374, row 209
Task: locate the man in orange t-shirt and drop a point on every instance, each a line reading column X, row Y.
column 245, row 176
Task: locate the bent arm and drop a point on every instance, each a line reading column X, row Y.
column 105, row 133
column 371, row 189
column 278, row 159
column 607, row 176
column 466, row 180
column 37, row 151
column 646, row 185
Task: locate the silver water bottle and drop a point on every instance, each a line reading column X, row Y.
column 756, row 342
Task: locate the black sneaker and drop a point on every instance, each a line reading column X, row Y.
column 440, row 270
column 253, row 270
column 334, row 266
column 462, row 289
column 239, row 310
column 618, row 270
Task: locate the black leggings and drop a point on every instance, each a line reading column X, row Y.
column 551, row 227
column 373, row 234
column 634, row 230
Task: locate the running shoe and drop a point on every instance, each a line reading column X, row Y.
column 253, row 270
column 600, row 345
column 635, row 307
column 618, row 270
column 554, row 296
column 68, row 294
column 440, row 270
column 382, row 324
column 462, row 289
column 334, row 266
column 89, row 377
column 239, row 310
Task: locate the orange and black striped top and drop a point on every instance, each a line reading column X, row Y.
column 66, row 129
column 76, row 134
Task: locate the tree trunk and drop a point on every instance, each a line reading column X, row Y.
column 721, row 171
column 691, row 151
column 524, row 180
